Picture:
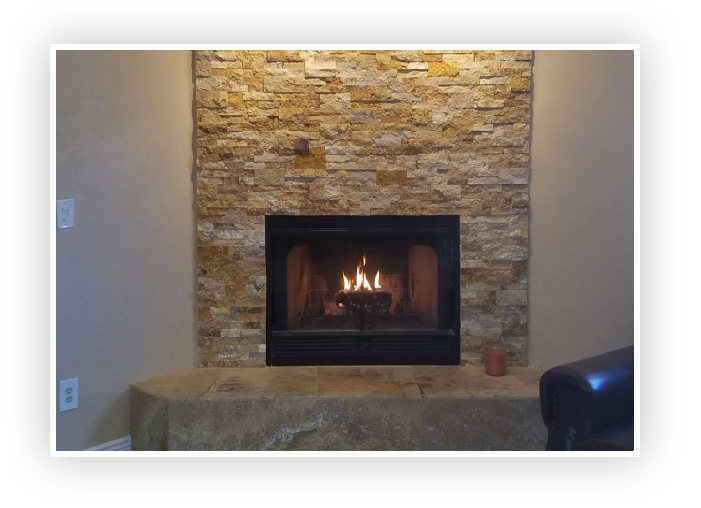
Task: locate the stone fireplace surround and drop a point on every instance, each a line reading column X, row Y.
column 361, row 133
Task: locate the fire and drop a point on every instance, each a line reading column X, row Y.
column 361, row 281
column 365, row 284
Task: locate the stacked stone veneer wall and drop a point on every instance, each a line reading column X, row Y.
column 387, row 132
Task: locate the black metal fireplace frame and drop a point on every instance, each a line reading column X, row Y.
column 286, row 348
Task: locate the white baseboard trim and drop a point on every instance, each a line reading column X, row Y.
column 118, row 445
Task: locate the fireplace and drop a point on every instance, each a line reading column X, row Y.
column 362, row 290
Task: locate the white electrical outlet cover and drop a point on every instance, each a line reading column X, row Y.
column 65, row 214
column 68, row 394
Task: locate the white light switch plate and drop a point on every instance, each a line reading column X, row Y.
column 68, row 394
column 65, row 214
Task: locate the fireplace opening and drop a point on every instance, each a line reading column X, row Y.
column 362, row 290
column 362, row 285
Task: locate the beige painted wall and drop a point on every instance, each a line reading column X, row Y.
column 581, row 265
column 125, row 276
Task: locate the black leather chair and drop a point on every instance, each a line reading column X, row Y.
column 589, row 404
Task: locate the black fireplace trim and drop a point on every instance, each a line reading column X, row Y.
column 287, row 348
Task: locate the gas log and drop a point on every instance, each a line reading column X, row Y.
column 364, row 301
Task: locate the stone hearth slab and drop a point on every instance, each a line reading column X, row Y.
column 338, row 408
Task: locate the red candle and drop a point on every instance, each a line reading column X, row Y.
column 495, row 360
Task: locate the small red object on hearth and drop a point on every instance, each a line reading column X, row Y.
column 495, row 360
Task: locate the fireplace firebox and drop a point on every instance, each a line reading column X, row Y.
column 362, row 290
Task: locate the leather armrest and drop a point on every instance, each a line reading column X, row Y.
column 587, row 396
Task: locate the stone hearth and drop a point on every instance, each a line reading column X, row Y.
column 338, row 408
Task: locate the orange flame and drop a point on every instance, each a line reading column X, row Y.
column 361, row 281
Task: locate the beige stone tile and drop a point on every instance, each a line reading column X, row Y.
column 185, row 383
column 529, row 376
column 268, row 382
column 282, row 423
column 148, row 421
column 518, row 382
column 472, row 424
column 441, row 381
column 364, row 381
column 369, row 423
